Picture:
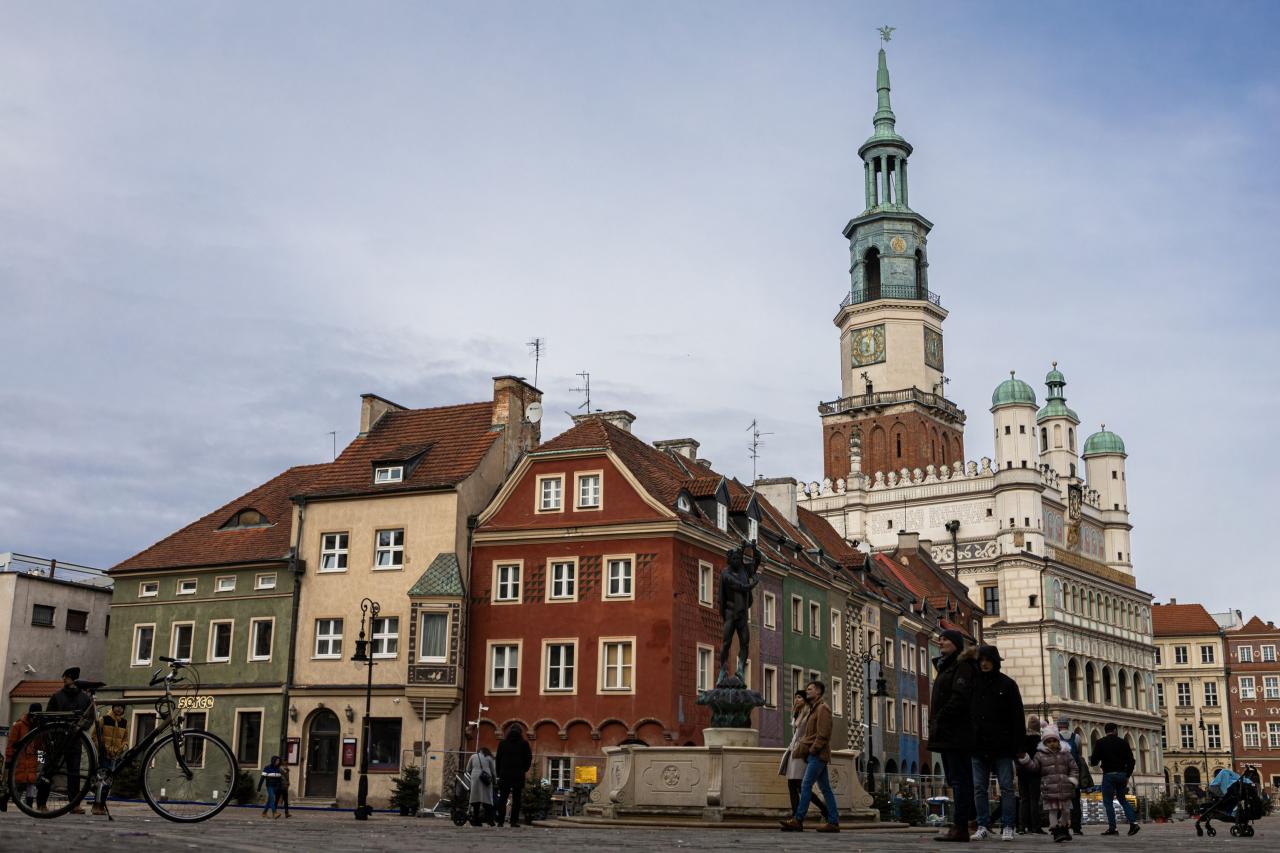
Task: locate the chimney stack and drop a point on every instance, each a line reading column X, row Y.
column 781, row 492
column 908, row 542
column 372, row 408
column 686, row 447
column 1173, row 601
column 620, row 418
column 512, row 397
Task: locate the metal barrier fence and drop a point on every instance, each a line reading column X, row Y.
column 565, row 780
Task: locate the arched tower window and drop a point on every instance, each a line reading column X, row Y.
column 1071, row 438
column 1057, row 435
column 1107, row 696
column 922, row 284
column 1073, row 680
column 1090, row 683
column 871, row 273
column 1044, row 439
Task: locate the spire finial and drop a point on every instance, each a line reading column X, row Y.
column 1010, row 374
column 1104, row 427
column 884, row 119
column 1055, row 365
column 886, row 33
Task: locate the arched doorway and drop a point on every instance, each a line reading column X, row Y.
column 323, row 733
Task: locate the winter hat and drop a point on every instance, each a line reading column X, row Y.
column 34, row 708
column 1049, row 733
column 990, row 653
column 72, row 672
column 1064, row 722
column 1033, row 724
column 954, row 636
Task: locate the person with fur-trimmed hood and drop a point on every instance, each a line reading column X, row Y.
column 997, row 720
column 950, row 725
column 1058, row 780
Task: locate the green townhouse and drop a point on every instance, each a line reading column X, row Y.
column 221, row 594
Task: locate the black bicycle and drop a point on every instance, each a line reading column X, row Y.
column 187, row 775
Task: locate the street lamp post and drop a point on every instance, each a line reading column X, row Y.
column 368, row 609
column 868, row 657
column 1204, row 752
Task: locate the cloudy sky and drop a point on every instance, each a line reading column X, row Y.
column 220, row 223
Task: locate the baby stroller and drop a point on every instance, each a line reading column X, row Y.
column 1233, row 798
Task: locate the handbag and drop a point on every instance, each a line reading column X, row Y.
column 485, row 778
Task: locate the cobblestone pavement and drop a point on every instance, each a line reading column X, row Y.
column 136, row 828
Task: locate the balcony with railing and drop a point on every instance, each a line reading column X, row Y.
column 41, row 567
column 879, row 399
column 891, row 291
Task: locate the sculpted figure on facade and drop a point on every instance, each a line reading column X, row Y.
column 737, row 582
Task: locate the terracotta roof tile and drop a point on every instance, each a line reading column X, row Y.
column 1253, row 626
column 1172, row 620
column 703, row 487
column 456, row 439
column 29, row 689
column 203, row 543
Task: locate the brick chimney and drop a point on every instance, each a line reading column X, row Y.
column 686, row 447
column 620, row 418
column 372, row 408
column 512, row 397
column 781, row 492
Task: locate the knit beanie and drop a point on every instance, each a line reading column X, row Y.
column 955, row 637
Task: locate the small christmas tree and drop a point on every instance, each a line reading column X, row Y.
column 407, row 790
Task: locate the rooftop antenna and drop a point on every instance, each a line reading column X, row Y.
column 585, row 388
column 538, row 346
column 334, row 435
column 755, row 449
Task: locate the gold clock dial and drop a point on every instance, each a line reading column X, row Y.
column 868, row 345
column 898, row 245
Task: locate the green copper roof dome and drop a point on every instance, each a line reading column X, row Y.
column 1013, row 391
column 1055, row 405
column 1103, row 441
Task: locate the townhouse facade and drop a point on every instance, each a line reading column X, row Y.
column 1254, row 697
column 1191, row 693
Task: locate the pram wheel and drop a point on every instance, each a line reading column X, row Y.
column 1247, row 831
column 1212, row 832
column 1235, row 831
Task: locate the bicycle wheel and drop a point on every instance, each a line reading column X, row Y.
column 188, row 776
column 52, row 768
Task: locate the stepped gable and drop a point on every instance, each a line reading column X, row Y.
column 439, row 447
column 204, row 543
column 1173, row 620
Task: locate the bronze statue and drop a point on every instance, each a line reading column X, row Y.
column 737, row 581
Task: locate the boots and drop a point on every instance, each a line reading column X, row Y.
column 957, row 832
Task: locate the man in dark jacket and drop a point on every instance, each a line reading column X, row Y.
column 514, row 760
column 950, row 726
column 1117, row 762
column 69, row 699
column 997, row 722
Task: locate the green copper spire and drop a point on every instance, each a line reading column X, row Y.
column 884, row 118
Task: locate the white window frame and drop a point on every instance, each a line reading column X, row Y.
column 1251, row 734
column 499, row 583
column 890, row 716
column 1186, row 736
column 815, row 620
column 220, row 585
column 384, row 636
column 837, row 696
column 1268, row 653
column 924, row 721
column 769, row 616
column 1273, row 734
column 703, row 675
column 904, row 655
column 1207, row 654
column 722, row 516
column 706, row 584
column 148, row 589
column 797, row 679
column 262, row 734
column 886, row 657
column 770, row 685
column 133, row 654
column 1213, row 736
column 924, row 659
column 1182, row 692
column 1245, row 654
column 578, row 479
column 560, row 642
column 231, row 640
column 490, row 681
column 1181, row 655
column 571, row 582
column 560, row 769
column 173, row 640
column 329, row 638
column 253, row 656
column 1211, row 698
column 1271, row 687
column 181, row 587
column 606, row 592
column 388, row 474
column 797, row 614
column 266, row 580
column 540, row 502
column 1248, row 687
column 423, row 657
column 392, row 550
column 604, row 685
column 836, row 628
column 339, row 549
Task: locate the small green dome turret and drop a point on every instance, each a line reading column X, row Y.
column 1103, row 441
column 1013, row 391
column 1054, row 376
column 1055, row 405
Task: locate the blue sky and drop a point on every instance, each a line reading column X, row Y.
column 221, row 223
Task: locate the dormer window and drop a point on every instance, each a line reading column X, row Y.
column 682, row 503
column 753, row 530
column 246, row 518
column 389, row 474
column 722, row 516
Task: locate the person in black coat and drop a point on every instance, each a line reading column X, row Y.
column 950, row 728
column 996, row 720
column 1029, row 783
column 514, row 759
column 71, row 698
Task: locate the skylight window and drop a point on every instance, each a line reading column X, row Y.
column 246, row 518
column 389, row 474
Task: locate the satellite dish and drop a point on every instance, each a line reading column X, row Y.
column 533, row 413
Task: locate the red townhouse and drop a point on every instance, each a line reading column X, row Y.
column 1253, row 653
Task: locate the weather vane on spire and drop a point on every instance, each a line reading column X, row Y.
column 886, row 33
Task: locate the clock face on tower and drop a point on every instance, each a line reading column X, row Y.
column 933, row 348
column 867, row 345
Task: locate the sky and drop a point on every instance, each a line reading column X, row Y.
column 220, row 223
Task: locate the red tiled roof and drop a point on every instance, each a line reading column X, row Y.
column 456, row 438
column 703, row 487
column 656, row 471
column 202, row 543
column 1173, row 620
column 34, row 690
column 828, row 539
column 739, row 503
column 1253, row 626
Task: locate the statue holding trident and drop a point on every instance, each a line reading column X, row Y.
column 736, row 584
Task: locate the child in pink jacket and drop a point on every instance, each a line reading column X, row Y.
column 1058, row 780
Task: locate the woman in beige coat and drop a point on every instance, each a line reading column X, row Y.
column 791, row 766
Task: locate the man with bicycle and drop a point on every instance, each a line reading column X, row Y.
column 70, row 699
